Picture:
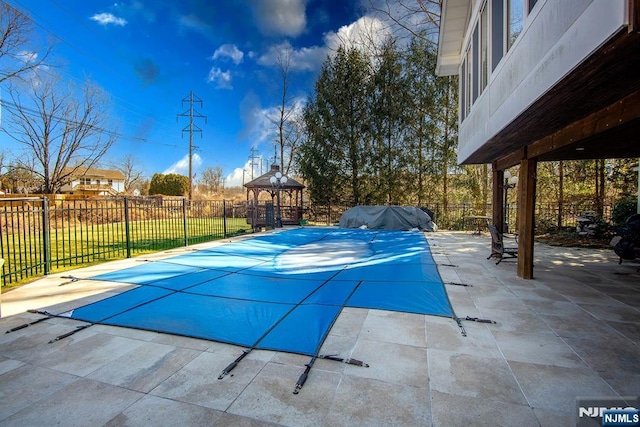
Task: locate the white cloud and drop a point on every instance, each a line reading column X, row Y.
column 181, row 167
column 304, row 59
column 364, row 32
column 222, row 79
column 229, row 51
column 243, row 174
column 108, row 19
column 280, row 17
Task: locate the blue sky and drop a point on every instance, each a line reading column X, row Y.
column 149, row 55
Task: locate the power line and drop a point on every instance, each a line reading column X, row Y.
column 33, row 113
column 105, row 66
column 191, row 128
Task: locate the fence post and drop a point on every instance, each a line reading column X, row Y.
column 224, row 219
column 184, row 221
column 45, row 236
column 126, row 227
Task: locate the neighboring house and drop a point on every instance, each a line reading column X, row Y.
column 95, row 182
column 541, row 80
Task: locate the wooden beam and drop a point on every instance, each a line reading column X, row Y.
column 618, row 113
column 526, row 217
column 634, row 15
column 511, row 159
column 497, row 201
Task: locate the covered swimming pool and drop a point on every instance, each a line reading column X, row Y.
column 280, row 291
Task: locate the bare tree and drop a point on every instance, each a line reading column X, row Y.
column 210, row 179
column 133, row 177
column 17, row 53
column 60, row 128
column 288, row 118
column 420, row 18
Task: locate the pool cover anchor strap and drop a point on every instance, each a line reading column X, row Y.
column 233, row 364
column 458, row 284
column 462, row 331
column 73, row 280
column 68, row 334
column 477, row 319
column 335, row 358
column 26, row 325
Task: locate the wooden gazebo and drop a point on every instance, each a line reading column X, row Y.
column 264, row 214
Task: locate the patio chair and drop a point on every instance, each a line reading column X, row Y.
column 498, row 249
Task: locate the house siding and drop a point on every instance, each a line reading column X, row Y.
column 557, row 36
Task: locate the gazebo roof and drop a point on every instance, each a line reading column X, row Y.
column 263, row 181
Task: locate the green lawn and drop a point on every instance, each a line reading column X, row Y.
column 91, row 244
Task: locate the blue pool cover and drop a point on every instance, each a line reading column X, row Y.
column 281, row 291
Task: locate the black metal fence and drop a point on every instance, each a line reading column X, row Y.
column 456, row 217
column 39, row 236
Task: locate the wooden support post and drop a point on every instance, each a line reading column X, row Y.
column 497, row 200
column 526, row 216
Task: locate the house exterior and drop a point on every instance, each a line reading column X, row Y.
column 541, row 80
column 95, row 182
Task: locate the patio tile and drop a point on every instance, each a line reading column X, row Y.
column 511, row 321
column 624, row 384
column 582, row 325
column 473, row 376
column 615, row 354
column 539, row 293
column 7, row 365
column 269, row 397
column 136, row 334
column 398, row 328
column 560, row 308
column 197, row 382
column 627, row 329
column 444, row 334
column 81, row 403
column 25, row 385
column 393, row 363
column 537, row 348
column 32, row 343
column 88, row 355
column 455, row 410
column 184, row 342
column 548, row 418
column 156, row 411
column 350, row 322
column 369, row 402
column 556, row 388
column 617, row 313
column 145, row 367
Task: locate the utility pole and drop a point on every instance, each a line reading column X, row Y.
column 191, row 113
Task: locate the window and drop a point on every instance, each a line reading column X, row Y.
column 463, row 93
column 516, row 20
column 484, row 41
column 475, row 64
column 469, row 78
column 497, row 31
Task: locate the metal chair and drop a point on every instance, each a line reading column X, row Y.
column 498, row 249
